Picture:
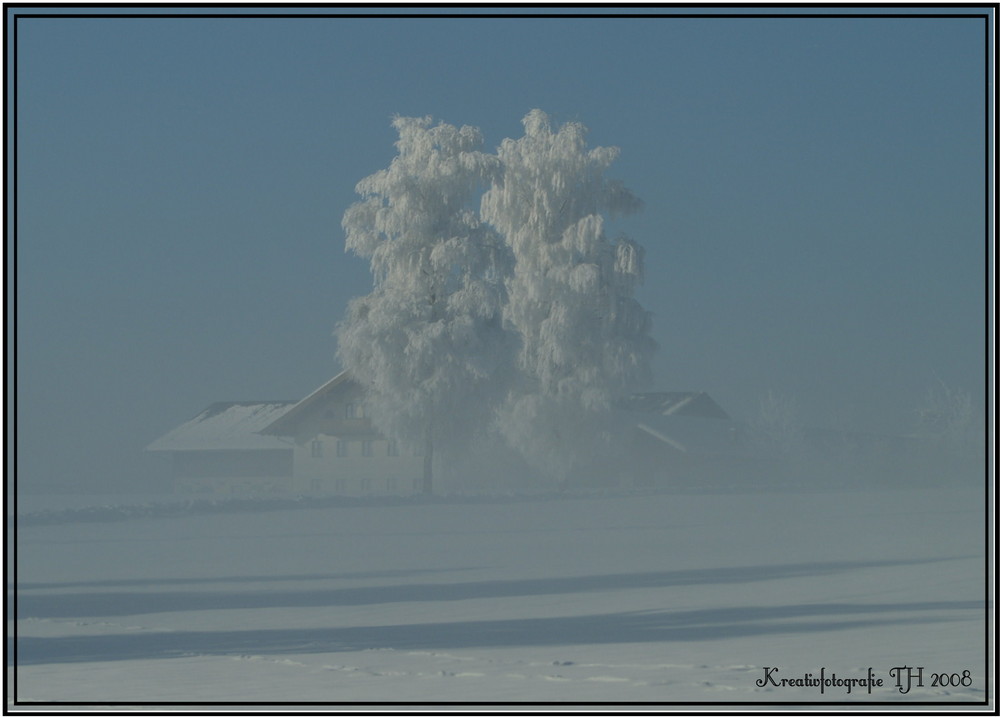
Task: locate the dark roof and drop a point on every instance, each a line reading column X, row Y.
column 674, row 403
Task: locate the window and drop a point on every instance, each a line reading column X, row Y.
column 354, row 410
column 340, row 485
column 316, row 448
column 366, row 485
column 316, row 485
column 341, row 449
column 366, row 449
column 390, row 485
column 392, row 449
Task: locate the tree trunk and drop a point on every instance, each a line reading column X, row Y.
column 428, row 462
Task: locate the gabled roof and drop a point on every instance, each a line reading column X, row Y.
column 283, row 425
column 674, row 403
column 686, row 435
column 226, row 426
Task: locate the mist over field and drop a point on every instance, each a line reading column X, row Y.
column 384, row 360
column 813, row 220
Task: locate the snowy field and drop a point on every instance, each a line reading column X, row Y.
column 623, row 599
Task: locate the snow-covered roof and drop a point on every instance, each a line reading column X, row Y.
column 226, row 426
column 284, row 425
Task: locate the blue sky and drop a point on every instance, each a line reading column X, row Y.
column 815, row 219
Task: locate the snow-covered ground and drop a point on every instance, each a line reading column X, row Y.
column 652, row 598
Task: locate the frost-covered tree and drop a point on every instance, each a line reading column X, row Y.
column 777, row 429
column 584, row 339
column 428, row 344
column 948, row 416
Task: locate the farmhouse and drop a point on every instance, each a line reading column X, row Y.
column 221, row 450
column 678, row 438
column 322, row 444
column 336, row 449
column 326, row 444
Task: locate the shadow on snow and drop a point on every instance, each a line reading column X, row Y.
column 644, row 626
column 106, row 604
column 635, row 627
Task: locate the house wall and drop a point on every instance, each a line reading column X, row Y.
column 340, row 413
column 706, row 452
column 337, row 451
column 358, row 465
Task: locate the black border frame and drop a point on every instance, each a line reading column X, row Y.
column 17, row 10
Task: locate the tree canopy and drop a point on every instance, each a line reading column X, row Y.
column 499, row 306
